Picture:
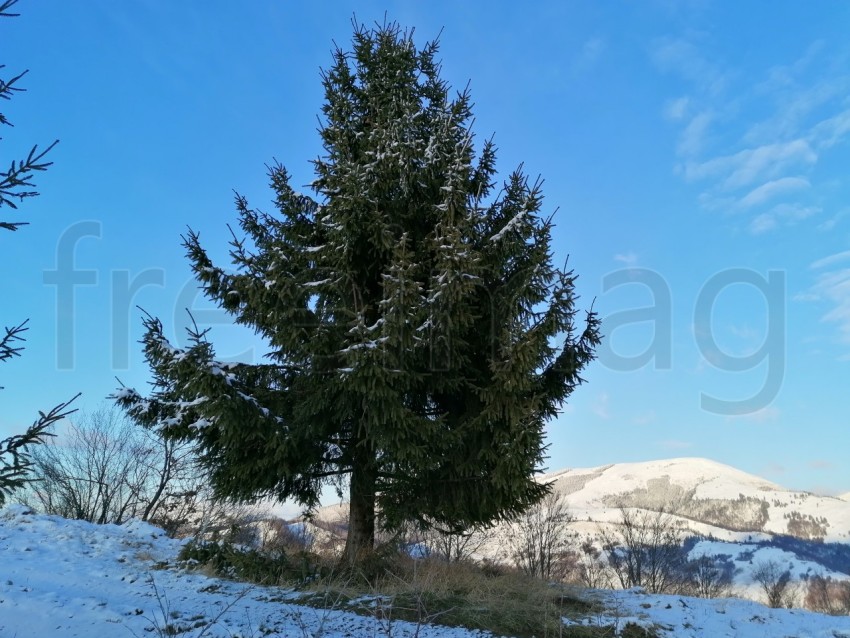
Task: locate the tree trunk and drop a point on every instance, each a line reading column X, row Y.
column 361, row 522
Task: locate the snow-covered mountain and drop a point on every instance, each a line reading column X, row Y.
column 709, row 497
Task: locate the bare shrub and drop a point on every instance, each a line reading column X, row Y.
column 105, row 469
column 828, row 596
column 646, row 551
column 456, row 547
column 775, row 582
column 593, row 570
column 709, row 576
column 540, row 540
column 286, row 537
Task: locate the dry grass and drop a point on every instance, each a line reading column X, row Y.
column 391, row 586
column 465, row 594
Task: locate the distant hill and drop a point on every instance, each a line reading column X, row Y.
column 710, row 497
column 724, row 512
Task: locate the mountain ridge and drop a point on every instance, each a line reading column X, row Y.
column 716, row 499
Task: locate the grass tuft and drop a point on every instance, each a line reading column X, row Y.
column 391, row 586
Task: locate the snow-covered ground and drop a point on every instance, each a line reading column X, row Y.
column 682, row 617
column 70, row 578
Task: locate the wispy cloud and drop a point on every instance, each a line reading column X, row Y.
column 831, row 131
column 589, row 54
column 753, row 165
column 763, row 169
column 773, row 189
column 781, row 214
column 677, row 109
column 832, row 287
column 833, row 221
column 830, row 260
column 600, row 406
column 630, row 259
column 692, row 139
column 684, row 58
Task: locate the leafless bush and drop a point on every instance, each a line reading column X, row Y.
column 455, row 547
column 709, row 577
column 540, row 540
column 775, row 582
column 828, row 596
column 593, row 570
column 646, row 551
column 286, row 537
column 105, row 469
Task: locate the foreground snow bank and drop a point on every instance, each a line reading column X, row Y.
column 71, row 578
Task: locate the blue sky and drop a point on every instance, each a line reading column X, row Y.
column 696, row 153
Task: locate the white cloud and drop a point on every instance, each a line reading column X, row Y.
column 831, row 131
column 833, row 287
column 753, row 165
column 762, row 224
column 682, row 57
column 677, row 109
column 830, row 260
column 788, row 214
column 630, row 259
column 591, row 50
column 796, row 106
column 600, row 406
column 757, row 146
column 832, row 222
column 772, row 189
column 692, row 139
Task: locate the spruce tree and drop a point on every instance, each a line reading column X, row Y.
column 420, row 336
column 16, row 182
column 16, row 185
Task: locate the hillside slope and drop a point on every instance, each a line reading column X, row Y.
column 713, row 498
column 67, row 579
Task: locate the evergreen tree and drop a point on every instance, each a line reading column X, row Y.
column 16, row 182
column 420, row 335
column 15, row 460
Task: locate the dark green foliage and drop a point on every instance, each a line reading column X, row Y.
column 16, row 182
column 231, row 561
column 420, row 336
column 15, row 461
